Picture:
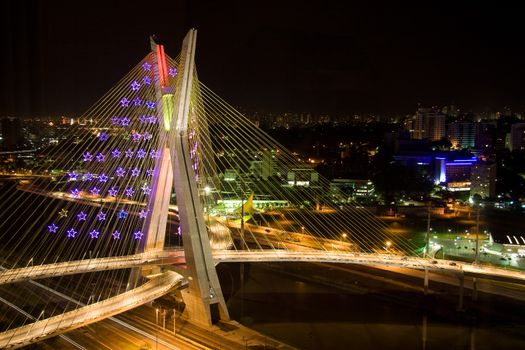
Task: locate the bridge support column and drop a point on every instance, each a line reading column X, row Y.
column 461, row 278
column 425, row 281
column 474, row 289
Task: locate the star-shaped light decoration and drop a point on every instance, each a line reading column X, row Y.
column 124, row 102
column 112, row 192
column 135, row 86
column 172, row 71
column 62, row 213
column 124, row 121
column 143, row 213
column 115, row 153
column 71, row 233
column 129, row 192
column 100, row 157
column 129, row 153
column 87, row 177
column 115, row 120
column 73, row 176
column 146, row 66
column 103, row 178
column 152, row 119
column 116, row 235
column 136, row 136
column 135, row 172
column 88, row 157
column 146, row 80
column 138, row 235
column 101, row 216
column 120, row 172
column 94, row 234
column 150, row 172
column 137, row 102
column 103, row 136
column 150, row 104
column 75, row 192
column 154, row 154
column 52, row 228
column 141, row 153
column 146, row 189
column 122, row 214
column 94, row 191
column 81, row 216
column 146, row 135
column 143, row 119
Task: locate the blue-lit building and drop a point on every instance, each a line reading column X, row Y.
column 450, row 169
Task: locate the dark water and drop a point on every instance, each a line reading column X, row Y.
column 367, row 315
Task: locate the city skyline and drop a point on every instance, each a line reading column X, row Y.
column 324, row 58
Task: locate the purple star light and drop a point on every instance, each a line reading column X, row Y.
column 87, row 177
column 94, row 234
column 172, row 71
column 129, row 153
column 141, row 153
column 124, row 102
column 124, row 121
column 135, row 86
column 81, row 216
column 116, row 235
column 146, row 66
column 73, row 176
column 146, row 135
column 146, row 190
column 150, row 172
column 94, row 191
column 103, row 136
column 138, row 235
column 75, row 192
column 52, row 228
column 142, row 214
column 137, row 102
column 122, row 214
column 129, row 192
column 146, row 80
column 88, row 157
column 101, row 216
column 112, row 192
column 136, row 136
column 150, row 104
column 103, row 178
column 115, row 153
column 71, row 233
column 115, row 120
column 100, row 157
column 120, row 172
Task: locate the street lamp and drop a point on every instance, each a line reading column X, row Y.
column 344, row 235
column 388, row 245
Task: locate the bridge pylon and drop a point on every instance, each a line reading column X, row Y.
column 174, row 170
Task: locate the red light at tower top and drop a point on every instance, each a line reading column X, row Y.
column 163, row 71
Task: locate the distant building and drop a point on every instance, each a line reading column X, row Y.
column 428, row 123
column 462, row 134
column 483, row 180
column 485, row 134
column 303, row 177
column 454, row 171
column 264, row 168
column 517, row 137
column 12, row 133
column 343, row 190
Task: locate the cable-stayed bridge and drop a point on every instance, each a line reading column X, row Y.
column 168, row 181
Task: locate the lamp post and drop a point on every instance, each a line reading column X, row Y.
column 157, row 328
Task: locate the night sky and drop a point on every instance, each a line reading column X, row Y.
column 337, row 57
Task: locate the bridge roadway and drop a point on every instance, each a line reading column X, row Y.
column 176, row 257
column 164, row 282
column 46, row 328
column 165, row 257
